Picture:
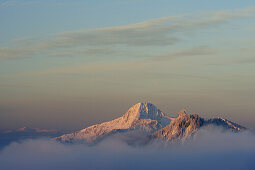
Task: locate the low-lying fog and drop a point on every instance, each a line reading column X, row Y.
column 209, row 149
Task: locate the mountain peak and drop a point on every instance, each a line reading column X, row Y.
column 23, row 128
column 143, row 105
column 143, row 115
column 182, row 112
column 151, row 121
column 144, row 110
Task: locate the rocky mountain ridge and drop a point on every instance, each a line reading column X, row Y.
column 147, row 118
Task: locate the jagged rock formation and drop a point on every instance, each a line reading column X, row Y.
column 153, row 123
column 181, row 127
column 185, row 125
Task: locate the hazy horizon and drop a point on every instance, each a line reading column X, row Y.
column 69, row 64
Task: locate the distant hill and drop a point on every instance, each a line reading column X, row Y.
column 16, row 135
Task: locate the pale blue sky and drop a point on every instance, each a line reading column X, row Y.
column 82, row 62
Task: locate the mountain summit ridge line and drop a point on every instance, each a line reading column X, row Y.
column 148, row 119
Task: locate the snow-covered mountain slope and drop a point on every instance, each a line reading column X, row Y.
column 144, row 116
column 224, row 123
column 152, row 122
column 185, row 125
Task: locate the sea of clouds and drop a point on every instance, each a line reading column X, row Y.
column 209, row 149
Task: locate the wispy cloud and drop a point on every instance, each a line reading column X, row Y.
column 196, row 51
column 158, row 32
column 6, row 3
column 96, row 67
column 10, row 3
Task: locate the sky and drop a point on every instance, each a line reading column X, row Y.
column 69, row 64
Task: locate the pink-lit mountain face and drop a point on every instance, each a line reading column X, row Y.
column 142, row 116
column 151, row 122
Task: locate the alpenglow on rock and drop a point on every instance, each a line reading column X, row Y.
column 148, row 119
column 181, row 127
column 185, row 125
column 143, row 116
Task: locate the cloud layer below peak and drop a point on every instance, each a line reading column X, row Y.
column 209, row 150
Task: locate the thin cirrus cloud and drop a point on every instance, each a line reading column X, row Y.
column 155, row 32
column 197, row 51
column 9, row 3
column 134, row 65
column 160, row 32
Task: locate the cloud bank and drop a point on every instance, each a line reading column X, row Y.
column 208, row 150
